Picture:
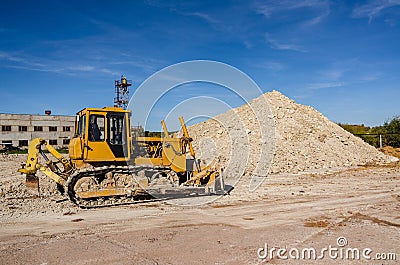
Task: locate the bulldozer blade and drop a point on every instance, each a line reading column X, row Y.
column 32, row 182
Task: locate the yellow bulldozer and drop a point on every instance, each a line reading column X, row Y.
column 110, row 165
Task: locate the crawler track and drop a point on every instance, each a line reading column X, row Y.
column 109, row 186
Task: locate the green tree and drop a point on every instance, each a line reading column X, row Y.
column 354, row 128
column 390, row 132
column 392, row 129
column 374, row 138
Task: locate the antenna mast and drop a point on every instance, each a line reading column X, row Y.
column 122, row 92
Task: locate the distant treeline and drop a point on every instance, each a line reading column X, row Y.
column 390, row 132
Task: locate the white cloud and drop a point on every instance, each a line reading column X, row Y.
column 18, row 60
column 11, row 57
column 63, row 57
column 108, row 71
column 270, row 65
column 334, row 74
column 268, row 8
column 218, row 24
column 391, row 22
column 373, row 8
column 203, row 16
column 282, row 46
column 274, row 66
column 316, row 20
column 322, row 85
column 175, row 78
column 371, row 77
column 84, row 68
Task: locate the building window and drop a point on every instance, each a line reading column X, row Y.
column 23, row 128
column 66, row 128
column 53, row 142
column 52, row 128
column 6, row 128
column 22, row 143
column 7, row 143
column 66, row 141
column 38, row 128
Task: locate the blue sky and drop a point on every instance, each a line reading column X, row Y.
column 341, row 57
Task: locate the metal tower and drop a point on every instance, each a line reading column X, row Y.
column 122, row 92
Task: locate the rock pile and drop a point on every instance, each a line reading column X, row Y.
column 272, row 134
column 18, row 202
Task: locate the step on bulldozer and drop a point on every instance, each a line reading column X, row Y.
column 108, row 164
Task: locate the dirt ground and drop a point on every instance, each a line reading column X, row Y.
column 290, row 212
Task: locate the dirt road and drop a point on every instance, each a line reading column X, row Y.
column 290, row 212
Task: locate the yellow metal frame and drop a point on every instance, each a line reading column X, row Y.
column 33, row 165
column 83, row 152
column 81, row 149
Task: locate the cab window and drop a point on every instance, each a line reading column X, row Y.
column 96, row 128
column 116, row 129
column 81, row 121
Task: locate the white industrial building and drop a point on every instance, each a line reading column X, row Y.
column 18, row 129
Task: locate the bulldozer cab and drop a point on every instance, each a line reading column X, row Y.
column 101, row 135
